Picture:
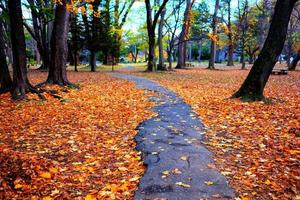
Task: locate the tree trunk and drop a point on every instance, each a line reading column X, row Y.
column 151, row 55
column 151, row 24
column 161, row 65
column 230, row 45
column 183, row 36
column 213, row 45
column 293, row 64
column 253, row 87
column 250, row 58
column 243, row 53
column 93, row 61
column 5, row 79
column 169, row 58
column 20, row 81
column 199, row 51
column 75, row 61
column 180, row 56
column 59, row 48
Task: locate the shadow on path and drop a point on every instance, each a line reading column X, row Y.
column 177, row 163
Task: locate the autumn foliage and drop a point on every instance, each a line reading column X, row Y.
column 256, row 145
column 77, row 147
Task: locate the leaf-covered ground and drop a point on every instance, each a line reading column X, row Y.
column 256, row 145
column 79, row 147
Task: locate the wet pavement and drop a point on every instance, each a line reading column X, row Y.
column 178, row 165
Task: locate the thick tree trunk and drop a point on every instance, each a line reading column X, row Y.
column 253, row 86
column 293, row 64
column 20, row 81
column 213, row 45
column 151, row 55
column 180, row 56
column 93, row 61
column 161, row 65
column 59, row 48
column 5, row 79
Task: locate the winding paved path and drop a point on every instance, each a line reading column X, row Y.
column 177, row 162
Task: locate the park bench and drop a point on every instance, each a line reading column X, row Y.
column 282, row 71
column 189, row 65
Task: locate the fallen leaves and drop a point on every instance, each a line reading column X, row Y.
column 256, row 145
column 45, row 175
column 79, row 148
column 208, row 182
column 183, row 184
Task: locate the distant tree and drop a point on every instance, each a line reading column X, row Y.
column 172, row 24
column 121, row 11
column 293, row 36
column 265, row 8
column 229, row 33
column 243, row 11
column 136, row 42
column 213, row 47
column 183, row 37
column 76, row 41
column 252, row 45
column 201, row 25
column 151, row 25
column 253, row 87
column 92, row 24
column 42, row 21
column 161, row 65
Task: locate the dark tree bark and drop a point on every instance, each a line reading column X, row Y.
column 213, row 45
column 20, row 81
column 293, row 64
column 59, row 48
column 253, row 87
column 5, row 79
column 93, row 61
column 230, row 37
column 151, row 25
column 161, row 65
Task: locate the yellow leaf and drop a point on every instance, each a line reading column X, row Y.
column 53, row 170
column 90, row 197
column 185, row 158
column 134, row 179
column 183, row 184
column 45, row 175
column 17, row 186
column 167, row 172
column 47, row 198
column 122, row 168
column 208, row 182
column 268, row 182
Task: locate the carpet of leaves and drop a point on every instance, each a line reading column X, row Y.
column 256, row 145
column 79, row 147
